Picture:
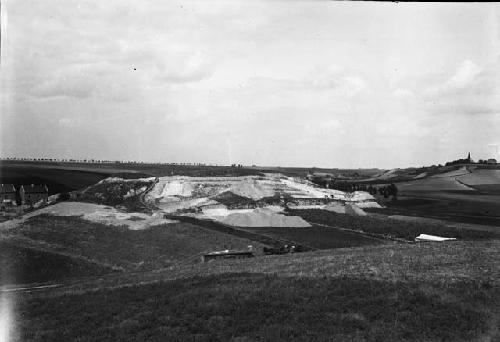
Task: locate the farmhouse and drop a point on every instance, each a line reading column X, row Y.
column 31, row 194
column 7, row 195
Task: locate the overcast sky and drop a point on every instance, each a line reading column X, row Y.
column 316, row 83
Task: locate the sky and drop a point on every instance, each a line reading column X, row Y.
column 294, row 83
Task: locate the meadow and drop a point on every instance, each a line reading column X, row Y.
column 249, row 307
column 421, row 292
column 153, row 248
column 22, row 265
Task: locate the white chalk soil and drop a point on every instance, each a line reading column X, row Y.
column 171, row 194
column 169, row 190
column 368, row 204
column 336, row 208
column 353, row 209
column 95, row 213
column 262, row 219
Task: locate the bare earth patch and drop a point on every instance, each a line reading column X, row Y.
column 95, row 213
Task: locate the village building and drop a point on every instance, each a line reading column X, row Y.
column 31, row 194
column 7, row 195
column 491, row 161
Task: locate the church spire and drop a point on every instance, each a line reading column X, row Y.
column 468, row 157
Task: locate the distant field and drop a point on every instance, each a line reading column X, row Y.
column 432, row 184
column 63, row 177
column 383, row 226
column 455, row 195
column 22, row 265
column 317, row 236
column 57, row 180
column 156, row 247
column 481, row 177
column 456, row 206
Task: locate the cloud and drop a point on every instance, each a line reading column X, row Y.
column 184, row 67
column 470, row 90
column 91, row 49
column 464, row 76
column 336, row 79
column 181, row 75
column 100, row 80
column 403, row 93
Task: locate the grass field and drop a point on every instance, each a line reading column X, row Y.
column 481, row 176
column 473, row 207
column 433, row 184
column 317, row 237
column 57, row 180
column 383, row 226
column 22, row 265
column 423, row 292
column 248, row 307
column 153, row 248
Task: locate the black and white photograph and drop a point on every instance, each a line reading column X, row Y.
column 249, row 171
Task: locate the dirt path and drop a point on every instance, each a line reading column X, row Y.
column 466, row 185
column 367, row 235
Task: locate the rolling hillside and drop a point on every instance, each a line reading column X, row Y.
column 422, row 292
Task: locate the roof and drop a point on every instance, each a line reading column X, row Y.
column 229, row 252
column 7, row 188
column 35, row 189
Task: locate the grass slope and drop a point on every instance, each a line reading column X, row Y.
column 421, row 292
column 248, row 307
column 156, row 247
column 22, row 265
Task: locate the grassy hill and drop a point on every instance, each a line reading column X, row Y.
column 420, row 292
column 152, row 248
column 21, row 264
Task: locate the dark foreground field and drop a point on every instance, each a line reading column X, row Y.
column 429, row 292
column 253, row 307
column 23, row 265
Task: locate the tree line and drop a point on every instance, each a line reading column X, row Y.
column 382, row 190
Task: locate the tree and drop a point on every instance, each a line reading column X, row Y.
column 393, row 190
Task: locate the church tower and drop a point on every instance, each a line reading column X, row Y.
column 468, row 158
